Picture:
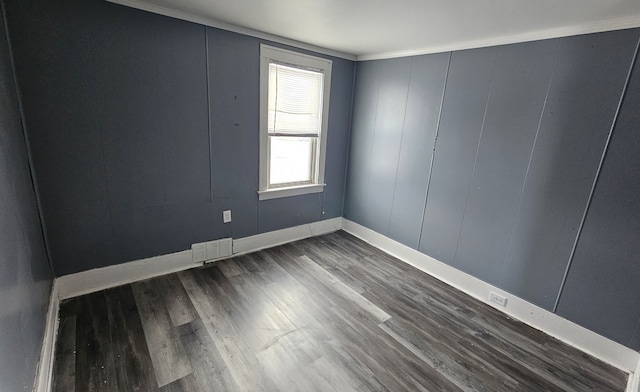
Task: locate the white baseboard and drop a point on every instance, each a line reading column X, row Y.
column 562, row 329
column 45, row 366
column 634, row 380
column 90, row 281
column 279, row 237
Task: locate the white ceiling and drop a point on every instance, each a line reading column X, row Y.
column 371, row 29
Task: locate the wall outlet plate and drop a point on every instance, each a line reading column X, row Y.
column 497, row 299
column 226, row 216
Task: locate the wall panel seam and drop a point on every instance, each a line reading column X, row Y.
column 475, row 160
column 25, row 134
column 595, row 180
column 433, row 150
column 348, row 157
column 404, row 121
column 373, row 138
column 526, row 176
column 208, row 74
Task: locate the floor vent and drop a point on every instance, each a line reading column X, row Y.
column 212, row 250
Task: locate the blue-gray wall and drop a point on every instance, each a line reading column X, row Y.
column 485, row 159
column 25, row 277
column 603, row 286
column 145, row 128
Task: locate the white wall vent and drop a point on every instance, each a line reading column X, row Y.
column 198, row 252
column 211, row 250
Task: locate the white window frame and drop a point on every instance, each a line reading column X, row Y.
column 270, row 54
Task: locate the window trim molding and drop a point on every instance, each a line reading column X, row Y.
column 276, row 193
column 268, row 53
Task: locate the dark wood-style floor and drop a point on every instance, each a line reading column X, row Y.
column 329, row 313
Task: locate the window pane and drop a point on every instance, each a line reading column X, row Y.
column 291, row 159
column 294, row 100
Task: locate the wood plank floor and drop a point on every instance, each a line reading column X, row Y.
column 330, row 313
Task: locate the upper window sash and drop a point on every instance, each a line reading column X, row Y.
column 295, row 101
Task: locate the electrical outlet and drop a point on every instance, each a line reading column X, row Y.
column 226, row 216
column 498, row 299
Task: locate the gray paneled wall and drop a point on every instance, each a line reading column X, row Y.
column 602, row 291
column 400, row 101
column 463, row 108
column 25, row 277
column 581, row 102
column 145, row 128
column 516, row 97
column 393, row 85
column 233, row 74
column 424, row 97
column 516, row 149
column 364, row 109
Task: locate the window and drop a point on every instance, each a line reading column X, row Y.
column 294, row 109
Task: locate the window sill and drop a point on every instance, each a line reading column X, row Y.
column 291, row 191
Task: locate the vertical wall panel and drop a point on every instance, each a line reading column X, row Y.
column 578, row 115
column 602, row 291
column 387, row 134
column 338, row 137
column 463, row 108
column 234, row 127
column 182, row 102
column 152, row 98
column 518, row 92
column 25, row 277
column 129, row 116
column 364, row 117
column 151, row 91
column 426, row 86
column 62, row 113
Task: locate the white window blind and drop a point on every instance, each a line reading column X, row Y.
column 295, row 101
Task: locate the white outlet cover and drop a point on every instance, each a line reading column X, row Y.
column 226, row 216
column 497, row 299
